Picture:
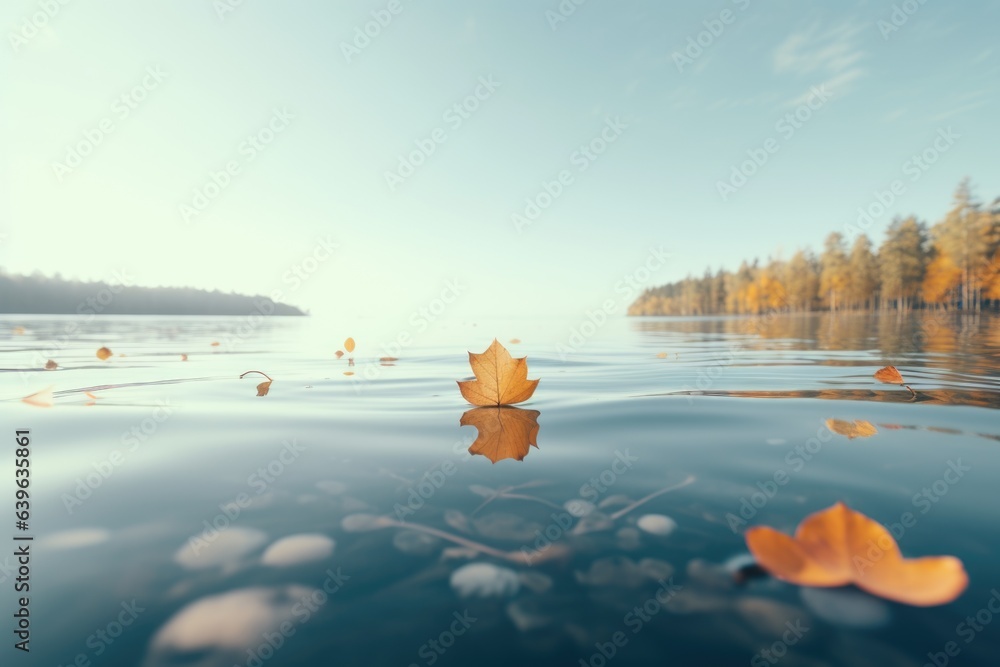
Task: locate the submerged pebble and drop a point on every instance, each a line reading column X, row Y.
column 657, row 524
column 228, row 546
column 578, row 507
column 484, row 580
column 297, row 549
column 414, row 542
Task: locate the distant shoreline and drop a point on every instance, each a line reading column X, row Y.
column 41, row 295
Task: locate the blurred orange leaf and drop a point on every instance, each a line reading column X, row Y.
column 388, row 359
column 349, row 345
column 263, row 387
column 515, row 341
column 504, row 432
column 859, row 428
column 339, row 353
column 889, row 375
column 51, row 365
column 184, row 357
column 348, row 372
column 104, row 353
column 215, row 343
column 41, row 399
column 500, row 379
column 838, row 546
column 17, row 331
column 661, row 355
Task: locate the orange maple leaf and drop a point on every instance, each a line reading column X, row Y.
column 504, row 432
column 500, row 379
column 838, row 546
column 889, row 375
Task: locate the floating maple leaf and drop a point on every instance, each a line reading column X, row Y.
column 504, row 432
column 838, row 546
column 500, row 379
column 51, row 365
column 103, row 353
column 859, row 428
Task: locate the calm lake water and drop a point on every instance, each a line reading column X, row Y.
column 163, row 501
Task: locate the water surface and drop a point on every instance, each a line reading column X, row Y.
column 159, row 497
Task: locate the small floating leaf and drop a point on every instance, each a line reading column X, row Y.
column 41, row 399
column 889, row 375
column 349, row 345
column 500, row 379
column 103, row 353
column 338, row 354
column 51, row 365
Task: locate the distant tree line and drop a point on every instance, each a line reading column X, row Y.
column 41, row 294
column 953, row 264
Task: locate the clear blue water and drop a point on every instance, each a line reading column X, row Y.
column 128, row 569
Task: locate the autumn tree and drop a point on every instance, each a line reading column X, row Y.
column 802, row 281
column 834, row 276
column 862, row 274
column 902, row 261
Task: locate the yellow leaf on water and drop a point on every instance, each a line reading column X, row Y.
column 349, row 345
column 515, row 341
column 41, row 399
column 17, row 331
column 90, row 395
column 504, row 432
column 661, row 355
column 104, row 353
column 348, row 372
column 388, row 359
column 500, row 379
column 215, row 343
column 184, row 357
column 263, row 388
column 51, row 365
column 838, row 546
column 339, row 353
column 859, row 428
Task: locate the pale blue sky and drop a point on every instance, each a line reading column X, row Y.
column 679, row 133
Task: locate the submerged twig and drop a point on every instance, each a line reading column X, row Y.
column 642, row 501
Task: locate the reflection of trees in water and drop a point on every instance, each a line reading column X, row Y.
column 961, row 343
